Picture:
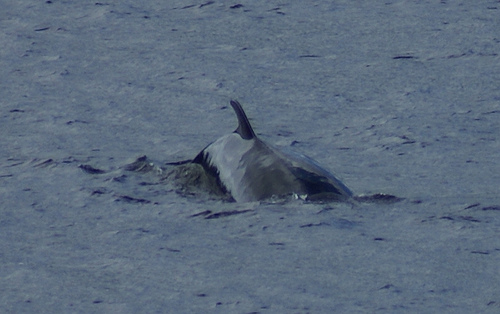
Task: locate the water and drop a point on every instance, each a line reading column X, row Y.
column 399, row 98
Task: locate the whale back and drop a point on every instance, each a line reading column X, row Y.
column 252, row 170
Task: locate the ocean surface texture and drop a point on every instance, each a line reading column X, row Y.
column 397, row 97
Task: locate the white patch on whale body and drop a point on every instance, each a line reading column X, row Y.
column 228, row 165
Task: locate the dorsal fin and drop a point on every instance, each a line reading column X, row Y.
column 244, row 128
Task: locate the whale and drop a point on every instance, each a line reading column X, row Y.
column 250, row 169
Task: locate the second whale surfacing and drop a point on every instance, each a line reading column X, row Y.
column 251, row 170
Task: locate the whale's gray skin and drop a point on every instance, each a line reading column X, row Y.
column 252, row 170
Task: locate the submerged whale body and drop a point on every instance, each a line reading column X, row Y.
column 252, row 170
